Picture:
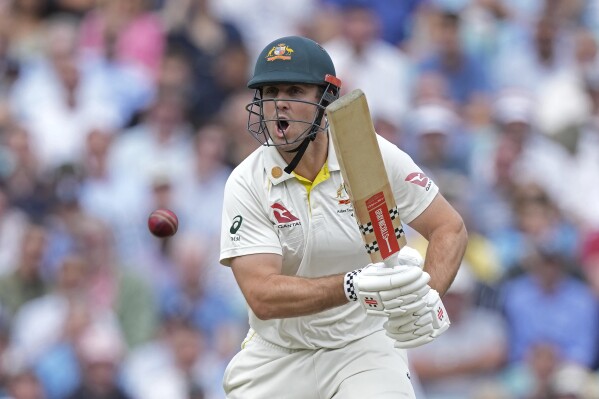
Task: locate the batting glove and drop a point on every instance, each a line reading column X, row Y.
column 383, row 290
column 410, row 330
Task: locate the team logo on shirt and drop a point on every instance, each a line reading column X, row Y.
column 342, row 195
column 284, row 217
column 420, row 179
column 343, row 200
column 279, row 52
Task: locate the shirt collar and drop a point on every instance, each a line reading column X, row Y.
column 274, row 164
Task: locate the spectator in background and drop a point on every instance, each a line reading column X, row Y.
column 217, row 55
column 127, row 31
column 116, row 288
column 173, row 362
column 540, row 53
column 395, row 16
column 520, row 154
column 467, row 80
column 367, row 62
column 24, row 384
column 204, row 182
column 26, row 28
column 250, row 16
column 537, row 220
column 58, row 99
column 26, row 184
column 13, row 225
column 439, row 144
column 189, row 293
column 100, row 351
column 569, row 324
column 26, row 282
column 158, row 149
column 234, row 118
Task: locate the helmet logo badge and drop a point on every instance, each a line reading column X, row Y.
column 279, row 52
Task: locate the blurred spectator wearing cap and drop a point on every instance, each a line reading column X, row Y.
column 439, row 144
column 460, row 364
column 366, row 61
column 547, row 303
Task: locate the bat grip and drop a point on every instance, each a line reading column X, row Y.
column 391, row 260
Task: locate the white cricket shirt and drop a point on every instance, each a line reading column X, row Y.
column 269, row 211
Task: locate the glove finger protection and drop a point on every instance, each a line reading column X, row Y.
column 417, row 328
column 374, row 278
column 408, row 293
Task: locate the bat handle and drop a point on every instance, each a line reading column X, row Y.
column 391, row 260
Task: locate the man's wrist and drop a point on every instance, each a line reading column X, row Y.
column 349, row 287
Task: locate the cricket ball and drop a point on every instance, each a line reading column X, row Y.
column 163, row 223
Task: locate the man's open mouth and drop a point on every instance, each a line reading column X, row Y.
column 282, row 126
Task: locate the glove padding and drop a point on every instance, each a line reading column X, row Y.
column 413, row 329
column 383, row 290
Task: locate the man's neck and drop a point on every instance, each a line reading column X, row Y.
column 314, row 158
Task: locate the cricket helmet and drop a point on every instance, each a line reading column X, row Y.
column 289, row 60
column 293, row 59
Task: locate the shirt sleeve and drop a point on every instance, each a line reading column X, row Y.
column 413, row 190
column 246, row 228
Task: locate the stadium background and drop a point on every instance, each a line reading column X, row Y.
column 112, row 108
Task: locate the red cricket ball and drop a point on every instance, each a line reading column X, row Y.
column 163, row 223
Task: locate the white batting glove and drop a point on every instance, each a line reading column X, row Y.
column 377, row 285
column 410, row 330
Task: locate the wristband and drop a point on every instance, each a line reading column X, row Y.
column 349, row 287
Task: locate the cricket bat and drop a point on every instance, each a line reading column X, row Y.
column 365, row 177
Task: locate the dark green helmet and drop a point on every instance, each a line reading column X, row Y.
column 293, row 59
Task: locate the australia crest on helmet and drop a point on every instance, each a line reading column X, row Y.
column 279, row 52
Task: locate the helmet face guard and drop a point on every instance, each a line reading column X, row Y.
column 291, row 60
column 257, row 124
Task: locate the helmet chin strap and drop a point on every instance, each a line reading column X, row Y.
column 301, row 149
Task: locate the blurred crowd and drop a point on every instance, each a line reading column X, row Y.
column 112, row 108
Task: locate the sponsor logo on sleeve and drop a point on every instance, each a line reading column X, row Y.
column 237, row 220
column 420, row 179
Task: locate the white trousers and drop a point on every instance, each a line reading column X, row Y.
column 367, row 368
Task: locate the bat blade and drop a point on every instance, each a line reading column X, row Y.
column 365, row 177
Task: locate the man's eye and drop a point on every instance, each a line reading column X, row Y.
column 270, row 92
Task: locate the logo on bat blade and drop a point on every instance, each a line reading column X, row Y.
column 418, row 178
column 282, row 214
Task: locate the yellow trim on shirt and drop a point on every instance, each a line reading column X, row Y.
column 323, row 175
